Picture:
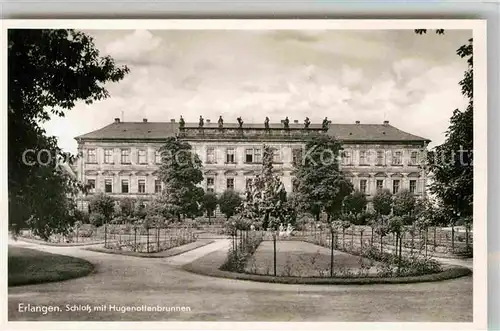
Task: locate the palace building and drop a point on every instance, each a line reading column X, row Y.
column 122, row 158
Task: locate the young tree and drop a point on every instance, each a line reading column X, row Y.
column 49, row 72
column 229, row 203
column 209, row 204
column 321, row 186
column 382, row 202
column 355, row 204
column 404, row 205
column 103, row 204
column 127, row 207
column 181, row 172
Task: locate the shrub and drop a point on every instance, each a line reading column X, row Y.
column 86, row 230
column 97, row 219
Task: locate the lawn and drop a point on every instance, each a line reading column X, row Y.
column 302, row 259
column 29, row 266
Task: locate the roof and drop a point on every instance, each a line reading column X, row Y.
column 162, row 130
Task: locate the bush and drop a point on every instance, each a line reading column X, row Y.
column 97, row 219
column 238, row 256
column 86, row 230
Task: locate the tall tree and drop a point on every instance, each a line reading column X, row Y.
column 209, row 204
column 382, row 202
column 451, row 163
column 355, row 203
column 321, row 186
column 229, row 203
column 181, row 172
column 49, row 71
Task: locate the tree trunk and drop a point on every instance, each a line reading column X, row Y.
column 135, row 239
column 381, row 245
column 317, row 218
column 425, row 242
column 466, row 239
column 274, row 252
column 361, row 241
column 147, row 239
column 352, row 240
column 435, row 235
column 209, row 218
column 343, row 239
column 452, row 239
column 396, row 243
column 371, row 239
column 412, row 242
column 331, row 256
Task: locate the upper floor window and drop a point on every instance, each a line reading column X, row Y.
column 395, row 186
column 380, row 158
column 230, row 183
column 157, row 186
column 141, row 186
column 108, row 185
column 362, row 158
column 142, row 156
column 108, row 155
column 276, row 155
column 125, row 156
column 157, row 157
column 397, row 159
column 414, row 158
column 413, row 185
column 346, row 159
column 230, row 157
column 210, row 155
column 124, row 185
column 380, row 184
column 91, row 156
column 91, row 184
column 253, row 155
column 362, row 185
column 210, row 184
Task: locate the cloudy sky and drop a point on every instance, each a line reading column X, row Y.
column 371, row 76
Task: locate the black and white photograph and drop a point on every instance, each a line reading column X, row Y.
column 233, row 171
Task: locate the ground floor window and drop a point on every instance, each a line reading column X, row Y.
column 108, row 185
column 124, row 185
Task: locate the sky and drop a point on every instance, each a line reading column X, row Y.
column 369, row 76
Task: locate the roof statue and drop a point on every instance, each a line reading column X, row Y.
column 202, row 122
column 307, row 122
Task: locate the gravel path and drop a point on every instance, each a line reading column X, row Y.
column 125, row 281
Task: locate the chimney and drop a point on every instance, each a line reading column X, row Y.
column 208, row 121
column 386, row 122
column 357, row 122
column 172, row 120
column 145, row 120
column 296, row 121
column 117, row 120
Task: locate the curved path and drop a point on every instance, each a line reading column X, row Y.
column 132, row 281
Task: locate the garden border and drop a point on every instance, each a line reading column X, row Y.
column 450, row 272
column 61, row 244
column 163, row 254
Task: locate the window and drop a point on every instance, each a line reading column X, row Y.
column 395, row 186
column 249, row 155
column 414, row 158
column 380, row 184
column 276, row 155
column 157, row 157
column 157, row 186
column 362, row 158
column 141, row 186
column 296, row 156
column 108, row 155
column 125, row 156
column 230, row 183
column 210, row 155
column 142, row 157
column 253, row 155
column 396, row 158
column 91, row 184
column 91, row 156
column 413, row 186
column 362, row 185
column 124, row 185
column 108, row 185
column 210, row 184
column 380, row 158
column 347, row 157
column 230, row 155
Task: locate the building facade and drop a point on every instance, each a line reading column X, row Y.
column 122, row 159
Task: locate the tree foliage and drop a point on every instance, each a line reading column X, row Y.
column 103, row 204
column 404, row 203
column 355, row 203
column 209, row 203
column 229, row 203
column 451, row 163
column 49, row 71
column 382, row 202
column 181, row 172
column 266, row 199
column 321, row 186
